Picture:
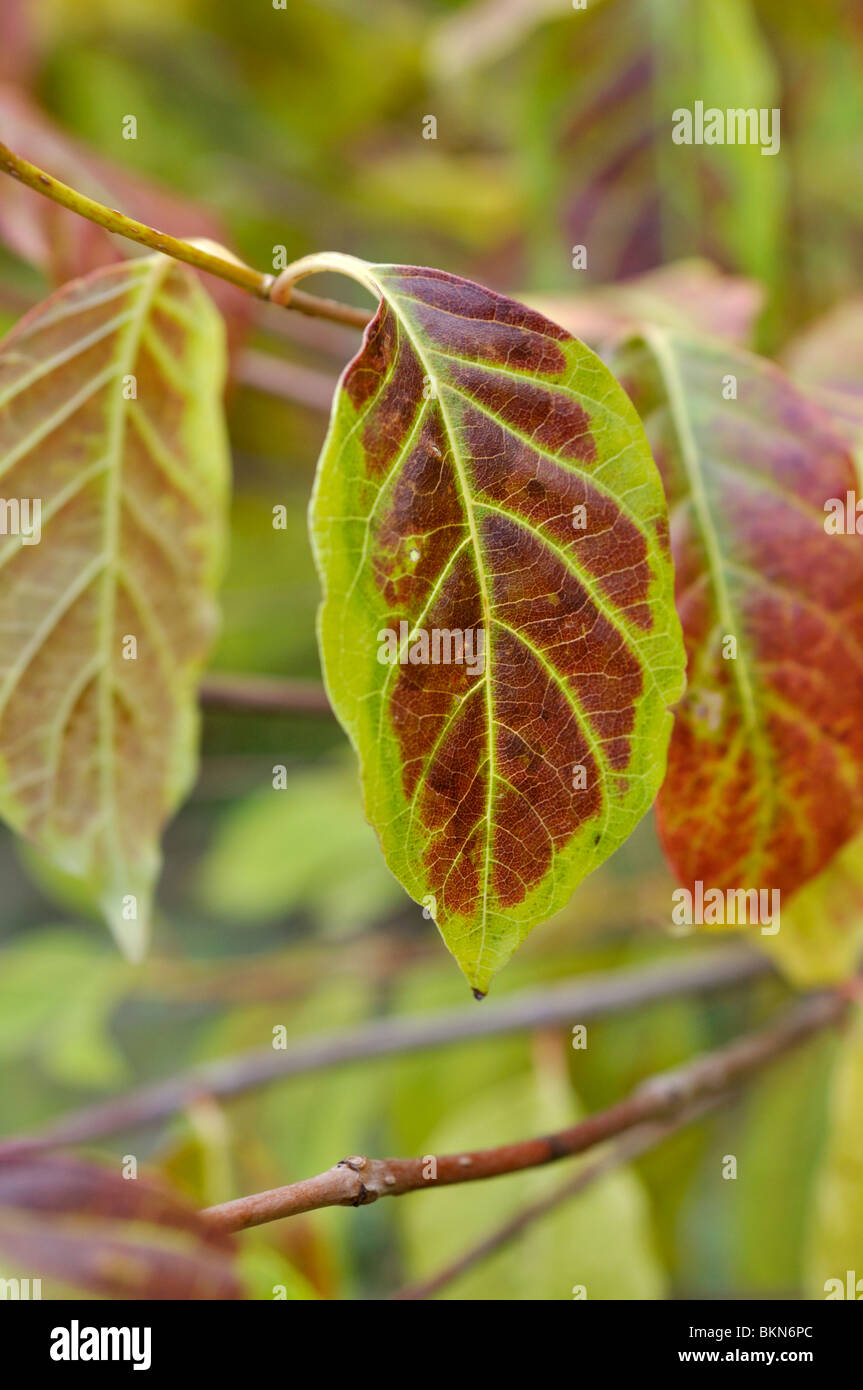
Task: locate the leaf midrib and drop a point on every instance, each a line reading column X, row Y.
column 127, row 354
column 464, row 489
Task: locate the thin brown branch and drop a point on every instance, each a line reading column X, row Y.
column 637, row 1142
column 598, row 995
column 358, row 1180
column 197, row 255
column 244, row 694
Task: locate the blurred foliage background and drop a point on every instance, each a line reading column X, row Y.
column 302, row 128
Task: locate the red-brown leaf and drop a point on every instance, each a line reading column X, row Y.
column 765, row 769
column 81, row 1227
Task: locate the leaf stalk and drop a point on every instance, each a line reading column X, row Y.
column 198, row 254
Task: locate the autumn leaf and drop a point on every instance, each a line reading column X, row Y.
column 113, row 448
column 828, row 354
column 486, row 486
column 83, row 1229
column 689, row 295
column 765, row 768
column 821, row 939
column 827, row 360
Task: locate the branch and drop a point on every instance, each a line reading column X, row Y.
column 225, row 267
column 263, row 695
column 637, row 1142
column 590, row 997
column 358, row 1181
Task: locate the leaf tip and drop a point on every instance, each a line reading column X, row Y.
column 128, row 917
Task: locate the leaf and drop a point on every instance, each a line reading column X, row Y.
column 777, row 1148
column 590, row 116
column 96, row 750
column 827, row 358
column 829, row 353
column 81, row 1228
column 19, row 47
column 58, row 990
column 600, row 1239
column 690, row 295
column 765, row 768
column 836, row 1246
column 465, row 436
column 268, row 1274
column 821, row 940
column 333, row 872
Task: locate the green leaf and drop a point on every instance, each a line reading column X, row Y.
column 777, row 1147
column 765, row 769
column 267, row 1274
column 110, row 417
column 600, row 1239
column 58, row 990
column 485, row 475
column 837, row 1229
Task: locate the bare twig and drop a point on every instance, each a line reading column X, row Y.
column 637, row 1142
column 357, row 1181
column 589, row 997
column 225, row 267
column 263, row 695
